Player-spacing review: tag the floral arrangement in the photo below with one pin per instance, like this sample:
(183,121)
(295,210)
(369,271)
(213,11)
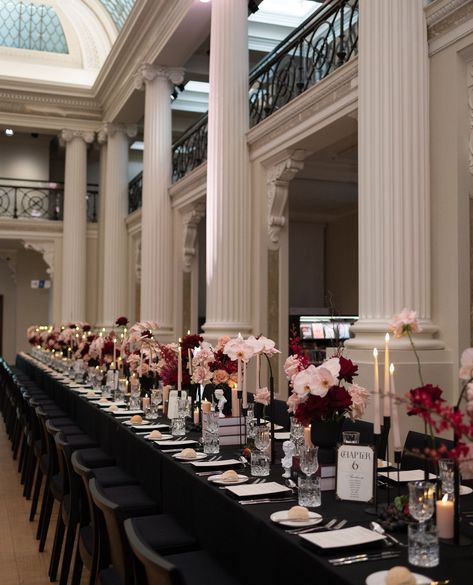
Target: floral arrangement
(167,366)
(427,402)
(325,392)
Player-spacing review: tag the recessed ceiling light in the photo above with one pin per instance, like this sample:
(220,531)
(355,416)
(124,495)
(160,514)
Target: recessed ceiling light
(204,1)
(9,132)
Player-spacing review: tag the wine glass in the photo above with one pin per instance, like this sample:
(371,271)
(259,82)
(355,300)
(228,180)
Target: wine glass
(309,462)
(262,437)
(421,501)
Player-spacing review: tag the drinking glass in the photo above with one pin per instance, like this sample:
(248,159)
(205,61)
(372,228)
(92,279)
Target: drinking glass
(297,434)
(178,423)
(351,437)
(421,501)
(210,433)
(423,545)
(309,462)
(262,437)
(259,458)
(309,492)
(447,475)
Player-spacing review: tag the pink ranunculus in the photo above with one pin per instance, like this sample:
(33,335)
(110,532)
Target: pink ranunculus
(222,342)
(291,367)
(220,377)
(466,361)
(359,400)
(201,375)
(133,360)
(293,402)
(262,396)
(238,349)
(404,322)
(306,381)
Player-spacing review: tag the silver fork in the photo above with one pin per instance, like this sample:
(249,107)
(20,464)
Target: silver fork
(325,526)
(337,526)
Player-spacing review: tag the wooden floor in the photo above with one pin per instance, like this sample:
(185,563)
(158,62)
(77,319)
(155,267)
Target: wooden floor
(20,561)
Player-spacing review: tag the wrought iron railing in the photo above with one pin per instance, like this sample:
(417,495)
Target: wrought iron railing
(40,200)
(320,45)
(135,191)
(325,41)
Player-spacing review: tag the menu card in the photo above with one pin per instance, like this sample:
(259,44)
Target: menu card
(211,464)
(259,489)
(345,537)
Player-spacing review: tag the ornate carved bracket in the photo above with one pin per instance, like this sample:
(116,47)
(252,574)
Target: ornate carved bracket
(10,258)
(138,261)
(191,222)
(46,249)
(278,179)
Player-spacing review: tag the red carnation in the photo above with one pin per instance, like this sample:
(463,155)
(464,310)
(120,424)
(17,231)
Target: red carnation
(121,321)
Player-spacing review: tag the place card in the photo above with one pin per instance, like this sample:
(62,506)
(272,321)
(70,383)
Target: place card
(406,475)
(345,537)
(216,464)
(355,474)
(259,489)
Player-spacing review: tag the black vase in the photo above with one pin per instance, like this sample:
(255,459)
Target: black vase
(326,435)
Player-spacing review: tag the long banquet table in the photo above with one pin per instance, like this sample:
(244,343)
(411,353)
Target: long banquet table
(243,538)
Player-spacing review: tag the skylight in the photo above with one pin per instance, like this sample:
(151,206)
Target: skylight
(118,10)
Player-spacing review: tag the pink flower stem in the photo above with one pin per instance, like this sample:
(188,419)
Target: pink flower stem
(462,393)
(419,369)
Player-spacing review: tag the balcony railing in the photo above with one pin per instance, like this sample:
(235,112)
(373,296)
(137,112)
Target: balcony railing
(325,41)
(40,200)
(135,190)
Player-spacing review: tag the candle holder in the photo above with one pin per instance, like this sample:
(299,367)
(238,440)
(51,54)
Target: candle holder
(397,461)
(373,510)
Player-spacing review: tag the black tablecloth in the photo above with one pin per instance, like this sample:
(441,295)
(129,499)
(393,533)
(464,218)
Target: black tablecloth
(243,538)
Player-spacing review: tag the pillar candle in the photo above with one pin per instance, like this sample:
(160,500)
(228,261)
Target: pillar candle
(165,394)
(189,360)
(245,390)
(387,410)
(377,416)
(445,515)
(114,353)
(206,406)
(196,416)
(146,402)
(395,413)
(307,437)
(235,403)
(179,366)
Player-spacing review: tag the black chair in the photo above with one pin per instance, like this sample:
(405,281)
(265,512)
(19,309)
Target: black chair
(413,450)
(189,568)
(116,505)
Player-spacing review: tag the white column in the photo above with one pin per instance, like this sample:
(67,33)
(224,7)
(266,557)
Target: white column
(102,140)
(156,223)
(228,195)
(115,244)
(393,142)
(75,225)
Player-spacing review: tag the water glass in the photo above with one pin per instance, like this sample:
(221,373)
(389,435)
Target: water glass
(210,433)
(309,462)
(423,545)
(447,475)
(421,500)
(309,492)
(178,424)
(351,437)
(297,434)
(135,397)
(262,437)
(259,463)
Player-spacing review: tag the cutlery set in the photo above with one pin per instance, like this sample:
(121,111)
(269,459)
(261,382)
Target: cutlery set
(364,557)
(331,525)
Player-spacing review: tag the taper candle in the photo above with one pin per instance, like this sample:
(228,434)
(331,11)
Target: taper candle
(377,414)
(386,399)
(394,412)
(245,390)
(307,436)
(257,371)
(179,366)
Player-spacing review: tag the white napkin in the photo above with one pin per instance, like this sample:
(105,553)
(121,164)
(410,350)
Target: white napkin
(282,436)
(123,412)
(259,489)
(343,537)
(224,463)
(175,443)
(409,475)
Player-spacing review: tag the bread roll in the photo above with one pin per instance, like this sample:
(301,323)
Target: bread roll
(400,576)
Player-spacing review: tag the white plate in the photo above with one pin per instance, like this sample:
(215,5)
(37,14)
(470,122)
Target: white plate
(218,479)
(281,518)
(181,458)
(465,490)
(379,578)
(136,425)
(161,438)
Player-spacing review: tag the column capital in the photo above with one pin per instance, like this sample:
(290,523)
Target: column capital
(148,72)
(109,129)
(68,135)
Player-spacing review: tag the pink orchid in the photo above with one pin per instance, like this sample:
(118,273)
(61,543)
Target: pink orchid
(293,402)
(466,361)
(404,322)
(238,349)
(292,367)
(262,396)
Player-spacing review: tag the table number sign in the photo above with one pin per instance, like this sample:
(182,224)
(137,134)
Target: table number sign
(356,473)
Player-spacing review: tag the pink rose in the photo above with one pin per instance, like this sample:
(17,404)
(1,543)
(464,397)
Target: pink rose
(359,400)
(201,375)
(220,377)
(466,370)
(262,396)
(404,322)
(222,342)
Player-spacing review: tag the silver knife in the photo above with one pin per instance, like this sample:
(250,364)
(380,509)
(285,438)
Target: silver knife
(366,557)
(265,501)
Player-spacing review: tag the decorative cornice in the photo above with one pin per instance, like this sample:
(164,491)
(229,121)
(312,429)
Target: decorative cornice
(68,135)
(148,72)
(109,129)
(191,222)
(438,11)
(447,22)
(278,179)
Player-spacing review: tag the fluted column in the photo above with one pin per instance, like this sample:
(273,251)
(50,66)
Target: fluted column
(228,197)
(75,225)
(156,223)
(115,248)
(393,142)
(102,140)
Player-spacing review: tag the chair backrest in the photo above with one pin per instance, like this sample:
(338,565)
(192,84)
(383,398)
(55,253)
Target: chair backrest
(412,453)
(158,569)
(110,528)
